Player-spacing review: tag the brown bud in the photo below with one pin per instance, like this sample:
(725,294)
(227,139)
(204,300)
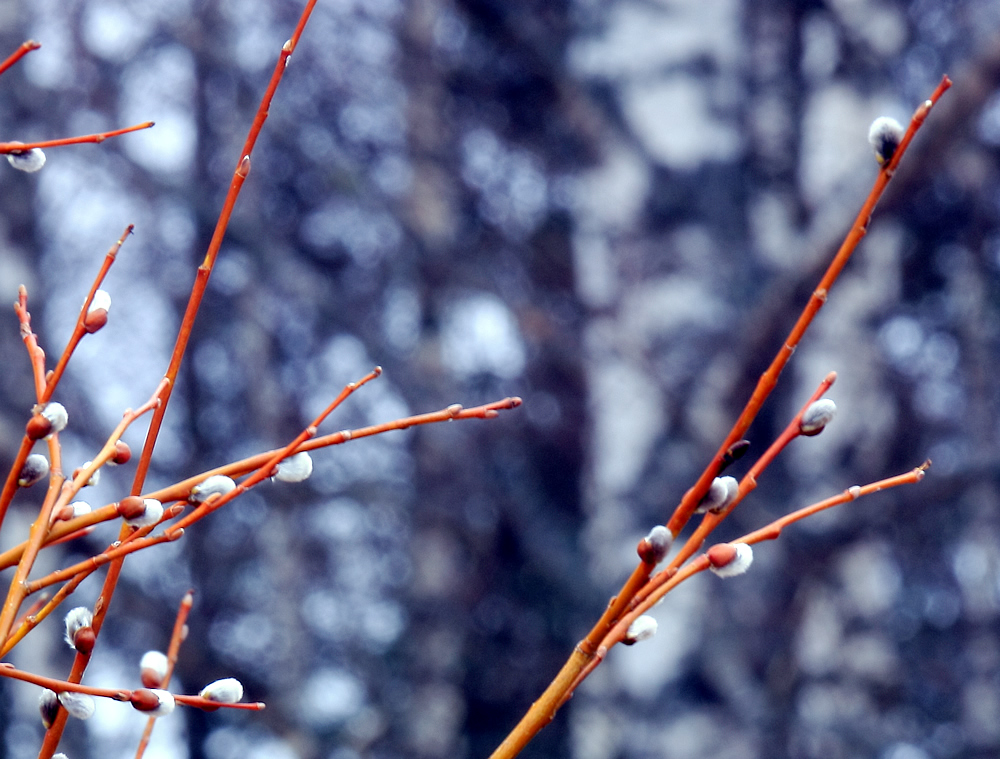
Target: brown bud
(131,507)
(730,559)
(38,427)
(84,639)
(721,554)
(95,319)
(144,700)
(122,453)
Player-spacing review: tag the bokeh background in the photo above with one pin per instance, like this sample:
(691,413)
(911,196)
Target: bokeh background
(612,209)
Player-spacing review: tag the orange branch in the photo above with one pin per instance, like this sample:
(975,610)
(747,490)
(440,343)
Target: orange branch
(80,330)
(18,147)
(23,50)
(584,655)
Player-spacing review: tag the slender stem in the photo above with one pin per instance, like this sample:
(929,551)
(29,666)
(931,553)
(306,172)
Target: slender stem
(115,694)
(54,733)
(18,147)
(80,330)
(173,650)
(23,50)
(542,711)
(770,377)
(267,468)
(37,357)
(64,530)
(749,481)
(18,584)
(33,619)
(62,686)
(769,532)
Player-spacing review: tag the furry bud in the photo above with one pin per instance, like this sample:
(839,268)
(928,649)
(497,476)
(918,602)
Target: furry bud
(153,668)
(140,512)
(816,416)
(885,134)
(79,705)
(295,468)
(48,707)
(654,547)
(643,628)
(36,467)
(217,484)
(720,494)
(79,630)
(27,160)
(229,690)
(730,559)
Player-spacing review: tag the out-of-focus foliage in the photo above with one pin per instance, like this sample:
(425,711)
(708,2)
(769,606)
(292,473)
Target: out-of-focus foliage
(614,210)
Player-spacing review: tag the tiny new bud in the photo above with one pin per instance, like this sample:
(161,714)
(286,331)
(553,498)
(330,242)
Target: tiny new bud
(153,668)
(816,416)
(36,467)
(48,707)
(643,628)
(27,160)
(734,453)
(730,559)
(122,454)
(79,705)
(295,468)
(720,494)
(216,484)
(150,512)
(229,690)
(79,620)
(884,135)
(154,702)
(653,548)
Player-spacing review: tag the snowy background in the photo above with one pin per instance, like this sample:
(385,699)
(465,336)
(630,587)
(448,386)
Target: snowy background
(612,209)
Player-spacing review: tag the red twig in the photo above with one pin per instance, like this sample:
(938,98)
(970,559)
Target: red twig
(267,468)
(57,495)
(80,329)
(54,734)
(18,147)
(115,694)
(173,650)
(65,530)
(23,50)
(544,709)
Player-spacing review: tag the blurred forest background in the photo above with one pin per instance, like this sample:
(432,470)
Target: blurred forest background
(612,209)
